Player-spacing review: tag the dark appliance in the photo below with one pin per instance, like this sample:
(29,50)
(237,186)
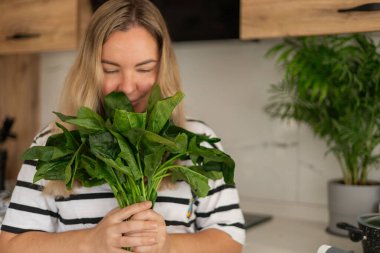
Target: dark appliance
(197,20)
(368,232)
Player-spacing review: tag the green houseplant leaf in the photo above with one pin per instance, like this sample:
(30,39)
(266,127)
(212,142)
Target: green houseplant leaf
(332,84)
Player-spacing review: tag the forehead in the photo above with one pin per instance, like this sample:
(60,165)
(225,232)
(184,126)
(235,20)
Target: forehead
(135,44)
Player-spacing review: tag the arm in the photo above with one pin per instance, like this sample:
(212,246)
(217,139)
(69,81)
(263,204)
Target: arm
(207,241)
(81,241)
(30,242)
(110,236)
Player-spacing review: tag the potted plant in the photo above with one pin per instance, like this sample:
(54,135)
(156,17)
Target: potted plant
(332,84)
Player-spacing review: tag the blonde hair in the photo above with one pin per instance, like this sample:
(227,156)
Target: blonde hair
(83,83)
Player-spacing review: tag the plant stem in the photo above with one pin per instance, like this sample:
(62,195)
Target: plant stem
(170,161)
(363,176)
(141,171)
(343,167)
(119,187)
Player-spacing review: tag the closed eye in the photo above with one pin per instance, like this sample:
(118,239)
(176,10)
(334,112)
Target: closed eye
(113,71)
(110,67)
(144,70)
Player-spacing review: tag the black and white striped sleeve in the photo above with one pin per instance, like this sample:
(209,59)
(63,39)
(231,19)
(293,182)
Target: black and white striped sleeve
(220,208)
(30,209)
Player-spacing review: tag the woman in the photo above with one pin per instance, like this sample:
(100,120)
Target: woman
(126,48)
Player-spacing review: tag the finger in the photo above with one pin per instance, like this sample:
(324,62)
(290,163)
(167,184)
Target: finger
(148,214)
(127,212)
(121,250)
(145,233)
(126,241)
(142,249)
(116,209)
(135,226)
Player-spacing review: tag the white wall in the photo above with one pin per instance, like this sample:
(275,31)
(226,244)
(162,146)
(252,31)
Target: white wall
(280,167)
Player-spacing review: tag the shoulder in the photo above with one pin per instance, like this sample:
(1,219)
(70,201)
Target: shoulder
(28,168)
(42,136)
(199,127)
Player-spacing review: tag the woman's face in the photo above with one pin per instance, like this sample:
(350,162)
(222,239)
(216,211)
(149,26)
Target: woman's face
(130,64)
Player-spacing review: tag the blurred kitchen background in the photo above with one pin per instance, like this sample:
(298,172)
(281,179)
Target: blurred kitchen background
(281,168)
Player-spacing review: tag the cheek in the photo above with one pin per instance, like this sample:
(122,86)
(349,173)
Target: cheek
(146,83)
(108,85)
(146,86)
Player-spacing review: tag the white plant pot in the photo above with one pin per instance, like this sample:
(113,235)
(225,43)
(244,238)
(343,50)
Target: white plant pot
(347,202)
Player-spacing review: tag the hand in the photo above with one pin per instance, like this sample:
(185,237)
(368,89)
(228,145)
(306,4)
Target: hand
(114,232)
(160,234)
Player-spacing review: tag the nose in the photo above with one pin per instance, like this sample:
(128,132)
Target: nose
(127,83)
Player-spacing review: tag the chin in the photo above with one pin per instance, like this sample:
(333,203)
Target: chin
(139,109)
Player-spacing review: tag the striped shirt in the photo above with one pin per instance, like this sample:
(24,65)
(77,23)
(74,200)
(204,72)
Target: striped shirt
(31,210)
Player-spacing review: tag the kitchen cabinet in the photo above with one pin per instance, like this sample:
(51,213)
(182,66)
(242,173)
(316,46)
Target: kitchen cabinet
(28,28)
(278,18)
(19,98)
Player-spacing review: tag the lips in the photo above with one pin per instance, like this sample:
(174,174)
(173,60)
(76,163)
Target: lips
(138,103)
(134,102)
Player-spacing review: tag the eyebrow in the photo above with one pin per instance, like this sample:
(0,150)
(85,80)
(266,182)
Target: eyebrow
(137,65)
(145,62)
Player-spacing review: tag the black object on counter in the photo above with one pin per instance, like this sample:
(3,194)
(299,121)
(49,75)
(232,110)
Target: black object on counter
(5,133)
(3,159)
(255,219)
(368,232)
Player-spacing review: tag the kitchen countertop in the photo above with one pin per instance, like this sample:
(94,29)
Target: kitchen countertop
(286,235)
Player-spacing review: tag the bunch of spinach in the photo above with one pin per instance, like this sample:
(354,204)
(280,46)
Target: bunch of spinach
(130,151)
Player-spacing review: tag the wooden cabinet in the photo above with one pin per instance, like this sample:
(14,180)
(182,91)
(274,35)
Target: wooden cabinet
(19,99)
(28,27)
(41,25)
(279,18)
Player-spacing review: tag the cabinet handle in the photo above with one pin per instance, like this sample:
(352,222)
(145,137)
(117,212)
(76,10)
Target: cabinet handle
(363,7)
(23,36)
